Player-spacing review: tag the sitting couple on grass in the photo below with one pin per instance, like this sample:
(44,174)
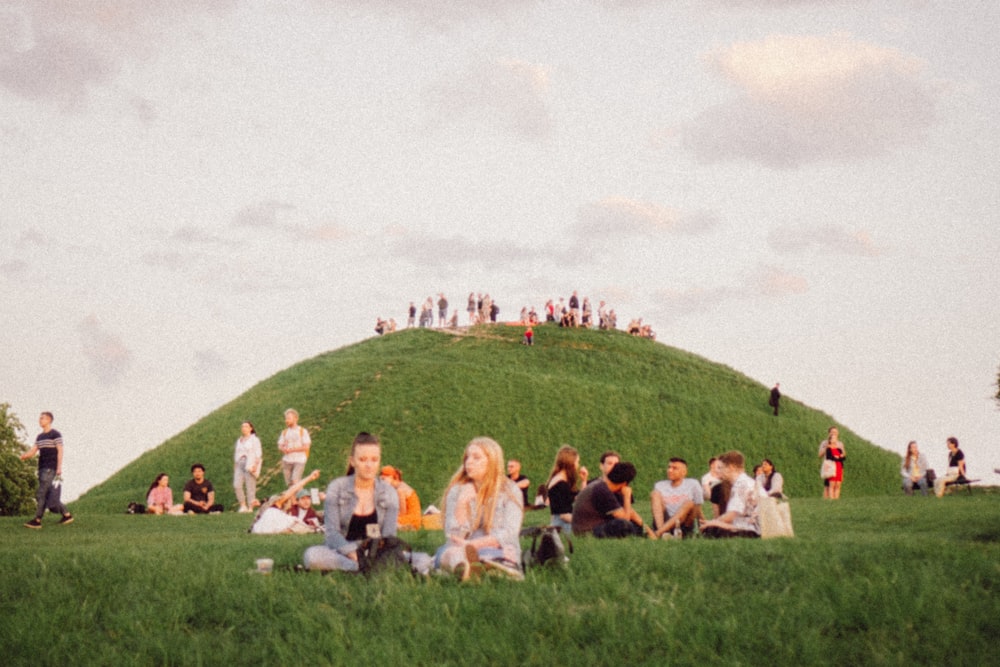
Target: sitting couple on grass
(483,512)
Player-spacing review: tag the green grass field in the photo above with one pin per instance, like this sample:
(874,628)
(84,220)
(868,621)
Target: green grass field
(881,581)
(875,578)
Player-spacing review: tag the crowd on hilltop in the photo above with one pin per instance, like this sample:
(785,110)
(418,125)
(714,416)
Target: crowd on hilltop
(483,309)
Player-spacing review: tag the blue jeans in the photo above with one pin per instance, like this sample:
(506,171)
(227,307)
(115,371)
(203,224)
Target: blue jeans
(567,527)
(48,496)
(908,485)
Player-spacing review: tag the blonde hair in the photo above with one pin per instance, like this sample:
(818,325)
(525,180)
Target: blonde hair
(494,482)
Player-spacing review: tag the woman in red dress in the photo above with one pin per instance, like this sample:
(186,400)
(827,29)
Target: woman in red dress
(833,449)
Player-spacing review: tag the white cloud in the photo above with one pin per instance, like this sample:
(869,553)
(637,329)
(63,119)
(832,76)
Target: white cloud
(507,94)
(769,282)
(772,281)
(826,239)
(620,216)
(803,99)
(57,50)
(209,364)
(445,15)
(109,357)
(430,250)
(13,268)
(262,215)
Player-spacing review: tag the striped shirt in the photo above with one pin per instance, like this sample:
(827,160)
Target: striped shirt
(48,449)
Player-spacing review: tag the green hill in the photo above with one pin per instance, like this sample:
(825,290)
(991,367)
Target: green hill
(427,393)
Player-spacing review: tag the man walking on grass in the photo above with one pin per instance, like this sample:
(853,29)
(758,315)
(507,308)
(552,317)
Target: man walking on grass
(49,447)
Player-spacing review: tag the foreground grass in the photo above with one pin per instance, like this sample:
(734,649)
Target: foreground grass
(866,581)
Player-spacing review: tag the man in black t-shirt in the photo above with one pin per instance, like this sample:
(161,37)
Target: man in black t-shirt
(49,447)
(598,512)
(199,494)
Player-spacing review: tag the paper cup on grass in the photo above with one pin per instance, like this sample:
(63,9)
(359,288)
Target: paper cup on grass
(264,565)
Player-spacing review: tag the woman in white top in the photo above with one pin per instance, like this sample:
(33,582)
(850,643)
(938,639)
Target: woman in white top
(247,460)
(769,481)
(483,510)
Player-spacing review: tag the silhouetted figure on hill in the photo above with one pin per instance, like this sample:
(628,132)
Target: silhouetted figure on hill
(775,398)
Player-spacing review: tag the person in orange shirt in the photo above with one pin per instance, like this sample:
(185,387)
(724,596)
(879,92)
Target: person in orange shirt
(409,502)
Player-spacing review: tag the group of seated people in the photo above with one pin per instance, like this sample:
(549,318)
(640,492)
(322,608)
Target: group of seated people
(637,328)
(199,495)
(916,473)
(484,505)
(604,507)
(483,511)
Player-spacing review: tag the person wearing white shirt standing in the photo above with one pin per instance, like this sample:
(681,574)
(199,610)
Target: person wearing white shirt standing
(247,460)
(294,443)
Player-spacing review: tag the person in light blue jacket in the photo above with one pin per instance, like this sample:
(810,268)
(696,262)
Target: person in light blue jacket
(357,506)
(483,511)
(914,469)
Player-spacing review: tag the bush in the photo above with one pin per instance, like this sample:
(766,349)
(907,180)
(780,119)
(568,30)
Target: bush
(17,482)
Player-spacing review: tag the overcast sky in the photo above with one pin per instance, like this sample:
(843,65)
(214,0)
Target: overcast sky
(196,195)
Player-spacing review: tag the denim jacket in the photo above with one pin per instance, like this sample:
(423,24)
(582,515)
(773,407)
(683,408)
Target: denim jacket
(507,519)
(339,506)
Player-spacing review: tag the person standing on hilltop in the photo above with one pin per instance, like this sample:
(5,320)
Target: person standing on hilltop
(49,447)
(442,309)
(294,443)
(775,398)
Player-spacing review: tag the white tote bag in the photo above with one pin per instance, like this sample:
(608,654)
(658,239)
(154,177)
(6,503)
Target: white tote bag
(775,518)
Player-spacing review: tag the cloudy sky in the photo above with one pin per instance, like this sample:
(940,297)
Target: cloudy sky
(198,194)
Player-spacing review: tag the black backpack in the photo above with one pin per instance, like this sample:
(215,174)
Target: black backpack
(546,546)
(382,553)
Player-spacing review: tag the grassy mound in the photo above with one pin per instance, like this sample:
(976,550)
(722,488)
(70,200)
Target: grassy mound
(426,393)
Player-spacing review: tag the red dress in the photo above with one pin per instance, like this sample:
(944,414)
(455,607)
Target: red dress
(836,454)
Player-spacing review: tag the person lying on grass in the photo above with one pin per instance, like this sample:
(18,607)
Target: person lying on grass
(277,515)
(740,518)
(483,511)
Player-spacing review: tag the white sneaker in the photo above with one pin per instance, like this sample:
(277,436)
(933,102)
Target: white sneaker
(509,568)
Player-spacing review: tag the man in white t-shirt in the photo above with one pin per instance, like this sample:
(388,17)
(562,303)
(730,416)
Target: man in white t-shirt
(676,501)
(294,443)
(741,518)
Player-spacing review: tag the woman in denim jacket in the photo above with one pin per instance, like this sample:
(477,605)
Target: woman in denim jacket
(355,504)
(483,511)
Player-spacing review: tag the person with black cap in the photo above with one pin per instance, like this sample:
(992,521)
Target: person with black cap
(597,510)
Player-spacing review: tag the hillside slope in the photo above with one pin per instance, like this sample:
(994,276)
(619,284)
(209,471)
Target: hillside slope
(427,393)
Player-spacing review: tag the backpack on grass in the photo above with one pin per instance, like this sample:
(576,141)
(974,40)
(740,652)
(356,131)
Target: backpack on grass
(383,553)
(546,546)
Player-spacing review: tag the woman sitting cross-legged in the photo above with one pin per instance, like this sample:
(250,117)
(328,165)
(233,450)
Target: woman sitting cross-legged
(355,504)
(160,499)
(483,510)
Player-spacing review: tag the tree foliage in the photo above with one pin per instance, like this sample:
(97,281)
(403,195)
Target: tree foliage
(17,481)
